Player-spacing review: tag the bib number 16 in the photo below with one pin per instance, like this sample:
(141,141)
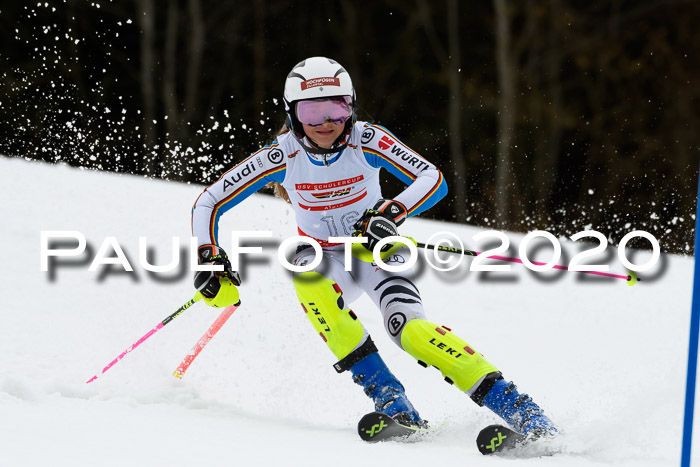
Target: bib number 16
(346,221)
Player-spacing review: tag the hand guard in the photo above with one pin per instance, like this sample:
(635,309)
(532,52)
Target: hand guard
(208,283)
(380,222)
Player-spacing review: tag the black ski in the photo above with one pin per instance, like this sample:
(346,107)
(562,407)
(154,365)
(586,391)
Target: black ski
(377,426)
(497,438)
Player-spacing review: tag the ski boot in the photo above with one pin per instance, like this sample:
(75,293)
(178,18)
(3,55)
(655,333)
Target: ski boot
(385,390)
(518,410)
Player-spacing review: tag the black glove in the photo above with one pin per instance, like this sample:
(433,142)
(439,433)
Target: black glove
(380,222)
(207,282)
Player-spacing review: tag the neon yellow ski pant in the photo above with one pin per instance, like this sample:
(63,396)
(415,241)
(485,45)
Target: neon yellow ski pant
(432,345)
(322,301)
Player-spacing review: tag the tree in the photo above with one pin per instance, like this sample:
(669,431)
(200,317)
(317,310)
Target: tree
(506,112)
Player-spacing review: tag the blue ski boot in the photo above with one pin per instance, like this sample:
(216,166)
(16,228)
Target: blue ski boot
(384,389)
(518,410)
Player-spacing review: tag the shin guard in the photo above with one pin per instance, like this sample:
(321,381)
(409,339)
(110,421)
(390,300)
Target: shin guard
(435,345)
(323,304)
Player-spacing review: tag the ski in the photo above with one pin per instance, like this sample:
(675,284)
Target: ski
(377,426)
(497,438)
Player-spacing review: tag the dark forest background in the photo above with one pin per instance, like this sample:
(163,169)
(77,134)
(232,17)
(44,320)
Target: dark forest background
(543,114)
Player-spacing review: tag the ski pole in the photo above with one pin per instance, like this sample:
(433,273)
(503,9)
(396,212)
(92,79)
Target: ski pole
(204,340)
(194,299)
(631,278)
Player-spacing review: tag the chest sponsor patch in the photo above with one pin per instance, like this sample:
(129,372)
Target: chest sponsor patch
(332,194)
(327,207)
(329,185)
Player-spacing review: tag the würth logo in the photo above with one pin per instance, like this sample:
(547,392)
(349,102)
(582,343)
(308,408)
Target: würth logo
(385,142)
(315,82)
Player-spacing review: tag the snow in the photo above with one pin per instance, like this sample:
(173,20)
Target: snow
(606,361)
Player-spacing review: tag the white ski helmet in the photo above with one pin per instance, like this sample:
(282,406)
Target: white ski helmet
(314,78)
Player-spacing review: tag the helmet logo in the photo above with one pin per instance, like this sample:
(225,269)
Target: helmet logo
(315,82)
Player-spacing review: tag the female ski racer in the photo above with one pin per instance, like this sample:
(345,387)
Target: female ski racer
(327,166)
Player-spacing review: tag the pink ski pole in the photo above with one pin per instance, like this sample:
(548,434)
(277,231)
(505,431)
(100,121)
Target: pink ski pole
(204,340)
(195,299)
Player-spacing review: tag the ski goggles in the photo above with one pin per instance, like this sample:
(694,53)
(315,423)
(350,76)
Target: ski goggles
(316,112)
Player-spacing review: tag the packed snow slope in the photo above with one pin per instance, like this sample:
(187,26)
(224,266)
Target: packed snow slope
(607,361)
